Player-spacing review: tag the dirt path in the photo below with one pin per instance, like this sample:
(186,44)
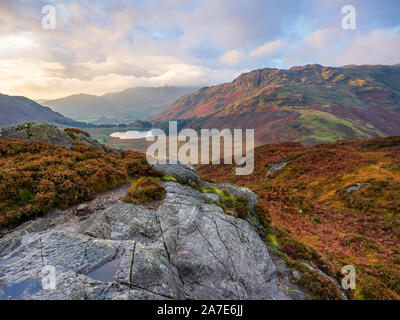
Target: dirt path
(101,201)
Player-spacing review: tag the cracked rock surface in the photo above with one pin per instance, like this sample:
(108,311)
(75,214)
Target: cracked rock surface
(185,249)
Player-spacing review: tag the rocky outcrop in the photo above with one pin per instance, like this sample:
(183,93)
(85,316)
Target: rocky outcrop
(37,131)
(47,132)
(184,249)
(84,139)
(180,171)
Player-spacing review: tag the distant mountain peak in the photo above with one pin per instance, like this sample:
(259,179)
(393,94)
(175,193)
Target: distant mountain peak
(124,106)
(311,103)
(16,109)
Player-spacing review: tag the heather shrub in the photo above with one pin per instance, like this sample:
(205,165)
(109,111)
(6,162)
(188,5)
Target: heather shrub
(145,189)
(308,213)
(140,167)
(73,132)
(319,287)
(35,176)
(235,206)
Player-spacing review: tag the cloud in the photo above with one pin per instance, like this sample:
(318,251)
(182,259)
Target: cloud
(102,46)
(268,49)
(378,47)
(323,39)
(232,57)
(338,47)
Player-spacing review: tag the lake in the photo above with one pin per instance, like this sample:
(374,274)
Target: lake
(132,135)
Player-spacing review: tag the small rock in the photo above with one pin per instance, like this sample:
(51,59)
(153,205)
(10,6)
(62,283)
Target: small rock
(296,274)
(355,187)
(275,167)
(82,207)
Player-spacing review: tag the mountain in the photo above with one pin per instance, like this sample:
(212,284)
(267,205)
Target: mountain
(19,109)
(309,104)
(125,106)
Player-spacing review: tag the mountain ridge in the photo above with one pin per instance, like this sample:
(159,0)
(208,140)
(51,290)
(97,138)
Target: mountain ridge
(15,109)
(310,103)
(123,106)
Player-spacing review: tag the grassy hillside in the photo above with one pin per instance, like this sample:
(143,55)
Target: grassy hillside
(332,204)
(309,104)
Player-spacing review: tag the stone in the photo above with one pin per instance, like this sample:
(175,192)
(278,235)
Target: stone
(237,192)
(49,133)
(276,167)
(82,207)
(184,249)
(180,171)
(296,274)
(211,197)
(38,131)
(355,187)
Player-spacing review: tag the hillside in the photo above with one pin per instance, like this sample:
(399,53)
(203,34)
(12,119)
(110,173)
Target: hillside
(309,104)
(19,109)
(319,207)
(111,241)
(125,106)
(332,205)
(43,167)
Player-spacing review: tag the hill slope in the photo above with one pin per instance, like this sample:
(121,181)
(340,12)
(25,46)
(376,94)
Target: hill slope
(20,109)
(309,104)
(125,106)
(332,205)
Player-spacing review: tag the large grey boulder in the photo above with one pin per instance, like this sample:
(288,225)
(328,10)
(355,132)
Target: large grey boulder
(181,171)
(185,249)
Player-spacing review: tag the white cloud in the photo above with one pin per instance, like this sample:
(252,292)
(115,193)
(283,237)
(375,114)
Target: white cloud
(338,47)
(269,49)
(232,57)
(378,47)
(324,39)
(99,47)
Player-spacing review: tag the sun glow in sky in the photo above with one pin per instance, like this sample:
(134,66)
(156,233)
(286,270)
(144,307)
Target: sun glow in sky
(103,46)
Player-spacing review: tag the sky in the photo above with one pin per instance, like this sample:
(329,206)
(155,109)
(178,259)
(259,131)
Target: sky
(107,46)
